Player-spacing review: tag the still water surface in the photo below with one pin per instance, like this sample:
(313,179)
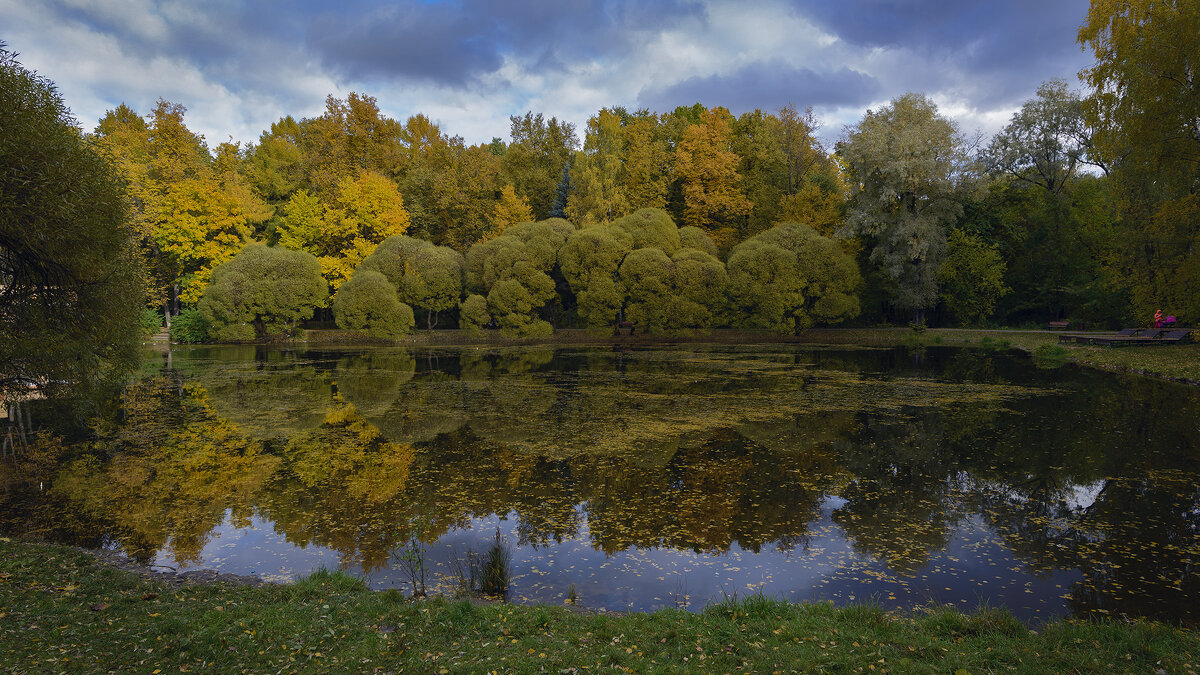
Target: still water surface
(649,478)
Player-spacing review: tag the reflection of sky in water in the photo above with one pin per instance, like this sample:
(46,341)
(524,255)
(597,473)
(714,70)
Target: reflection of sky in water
(975,568)
(860,458)
(257,550)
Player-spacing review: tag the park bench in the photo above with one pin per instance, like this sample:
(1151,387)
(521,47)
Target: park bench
(1058,325)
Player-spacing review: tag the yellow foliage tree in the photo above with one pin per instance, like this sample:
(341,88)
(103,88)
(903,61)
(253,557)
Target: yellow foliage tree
(707,171)
(197,226)
(511,209)
(367,210)
(599,194)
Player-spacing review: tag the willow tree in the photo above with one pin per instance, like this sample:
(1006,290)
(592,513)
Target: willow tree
(261,291)
(905,160)
(433,281)
(369,302)
(513,271)
(790,277)
(589,260)
(70,286)
(638,267)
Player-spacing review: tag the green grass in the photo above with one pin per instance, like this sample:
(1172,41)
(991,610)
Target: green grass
(58,612)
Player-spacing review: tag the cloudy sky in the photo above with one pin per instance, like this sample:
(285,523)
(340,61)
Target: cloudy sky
(239,65)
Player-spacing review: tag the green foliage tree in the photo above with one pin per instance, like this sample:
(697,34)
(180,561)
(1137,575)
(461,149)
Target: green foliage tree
(473,313)
(534,160)
(71,291)
(1145,106)
(790,277)
(694,237)
(651,228)
(1046,141)
(698,284)
(1056,244)
(514,272)
(368,302)
(433,281)
(589,260)
(971,278)
(262,291)
(646,276)
(905,159)
(391,257)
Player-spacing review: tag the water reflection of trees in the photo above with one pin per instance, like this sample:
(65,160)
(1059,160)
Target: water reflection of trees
(706,453)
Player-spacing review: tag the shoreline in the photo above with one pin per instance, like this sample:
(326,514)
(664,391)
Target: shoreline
(60,610)
(1172,363)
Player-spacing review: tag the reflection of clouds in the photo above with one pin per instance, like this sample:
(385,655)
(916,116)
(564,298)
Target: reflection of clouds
(1083,496)
(708,470)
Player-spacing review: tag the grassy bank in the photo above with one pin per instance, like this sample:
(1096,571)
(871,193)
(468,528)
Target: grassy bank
(60,612)
(1173,362)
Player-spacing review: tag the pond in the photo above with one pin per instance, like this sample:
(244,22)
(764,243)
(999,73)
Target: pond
(635,479)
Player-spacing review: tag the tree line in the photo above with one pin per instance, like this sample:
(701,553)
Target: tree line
(1083,207)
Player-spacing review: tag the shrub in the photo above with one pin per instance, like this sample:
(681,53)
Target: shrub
(473,313)
(369,302)
(261,291)
(189,326)
(152,321)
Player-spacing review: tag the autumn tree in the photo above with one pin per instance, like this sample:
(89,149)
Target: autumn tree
(350,137)
(70,285)
(599,195)
(905,159)
(534,160)
(510,210)
(789,278)
(646,161)
(464,192)
(815,190)
(1145,106)
(706,169)
(261,291)
(192,212)
(367,209)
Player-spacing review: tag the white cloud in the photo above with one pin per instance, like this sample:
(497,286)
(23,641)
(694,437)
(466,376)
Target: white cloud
(237,79)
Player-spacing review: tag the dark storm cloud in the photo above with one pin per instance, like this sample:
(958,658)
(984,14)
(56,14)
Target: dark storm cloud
(767,85)
(455,42)
(1006,45)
